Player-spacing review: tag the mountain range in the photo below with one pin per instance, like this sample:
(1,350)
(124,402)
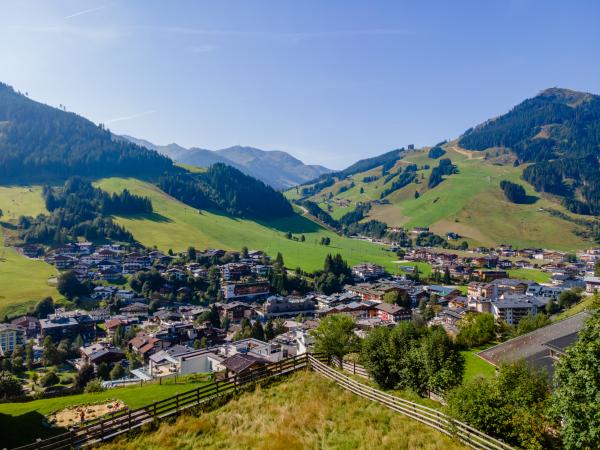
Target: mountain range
(276,168)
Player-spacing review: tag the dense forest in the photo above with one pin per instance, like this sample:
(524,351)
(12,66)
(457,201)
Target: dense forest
(513,191)
(80,210)
(41,143)
(225,188)
(559,132)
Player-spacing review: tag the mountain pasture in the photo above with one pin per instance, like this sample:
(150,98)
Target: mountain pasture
(175,225)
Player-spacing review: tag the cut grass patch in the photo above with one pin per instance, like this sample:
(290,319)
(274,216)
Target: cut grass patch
(530,274)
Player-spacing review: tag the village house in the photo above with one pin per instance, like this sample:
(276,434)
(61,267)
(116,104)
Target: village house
(367,272)
(512,311)
(10,336)
(388,312)
(277,306)
(249,290)
(592,284)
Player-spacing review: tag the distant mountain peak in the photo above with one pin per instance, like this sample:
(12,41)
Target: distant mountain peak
(567,96)
(274,167)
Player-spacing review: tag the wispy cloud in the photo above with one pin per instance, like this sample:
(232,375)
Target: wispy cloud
(132,116)
(85,11)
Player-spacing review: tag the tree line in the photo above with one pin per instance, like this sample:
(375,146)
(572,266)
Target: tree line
(225,188)
(77,209)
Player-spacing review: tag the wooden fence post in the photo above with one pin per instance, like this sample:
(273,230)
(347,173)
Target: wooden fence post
(217,386)
(102,429)
(154,415)
(176,401)
(129,413)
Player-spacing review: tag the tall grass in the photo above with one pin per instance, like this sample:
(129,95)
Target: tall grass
(304,411)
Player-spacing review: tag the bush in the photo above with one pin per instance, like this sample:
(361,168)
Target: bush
(10,386)
(94,385)
(49,379)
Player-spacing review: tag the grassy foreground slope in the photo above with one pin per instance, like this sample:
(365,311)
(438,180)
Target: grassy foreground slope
(176,225)
(22,422)
(23,281)
(304,411)
(469,203)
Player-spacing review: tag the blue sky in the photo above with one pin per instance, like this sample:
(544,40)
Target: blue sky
(328,81)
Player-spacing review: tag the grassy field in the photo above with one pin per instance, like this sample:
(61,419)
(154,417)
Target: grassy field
(304,411)
(585,303)
(530,274)
(177,226)
(23,281)
(469,203)
(475,366)
(22,422)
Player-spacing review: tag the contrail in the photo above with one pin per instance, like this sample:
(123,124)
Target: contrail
(81,13)
(132,116)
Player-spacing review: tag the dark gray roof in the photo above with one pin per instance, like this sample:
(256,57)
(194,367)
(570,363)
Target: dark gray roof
(533,347)
(241,361)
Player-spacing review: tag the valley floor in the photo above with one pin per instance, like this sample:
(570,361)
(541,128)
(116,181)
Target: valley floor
(303,411)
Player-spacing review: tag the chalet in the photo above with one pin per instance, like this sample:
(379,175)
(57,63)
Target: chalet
(175,273)
(592,284)
(339,298)
(246,290)
(240,364)
(442,293)
(366,272)
(388,312)
(68,325)
(512,311)
(30,324)
(277,306)
(358,310)
(145,345)
(490,275)
(376,291)
(236,311)
(110,274)
(234,271)
(97,354)
(511,285)
(136,309)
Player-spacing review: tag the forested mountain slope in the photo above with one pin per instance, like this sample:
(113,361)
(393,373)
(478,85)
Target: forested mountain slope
(558,131)
(40,143)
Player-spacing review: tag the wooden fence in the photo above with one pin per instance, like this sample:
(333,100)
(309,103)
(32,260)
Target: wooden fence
(108,427)
(428,416)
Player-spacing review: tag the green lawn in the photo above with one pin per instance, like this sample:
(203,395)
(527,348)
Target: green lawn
(475,366)
(23,281)
(530,274)
(177,226)
(584,304)
(23,422)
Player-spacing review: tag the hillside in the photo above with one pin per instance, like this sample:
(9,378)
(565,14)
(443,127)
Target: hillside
(276,168)
(558,131)
(42,143)
(23,281)
(469,202)
(176,225)
(302,411)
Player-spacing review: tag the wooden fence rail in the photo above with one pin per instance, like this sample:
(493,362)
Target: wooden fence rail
(428,416)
